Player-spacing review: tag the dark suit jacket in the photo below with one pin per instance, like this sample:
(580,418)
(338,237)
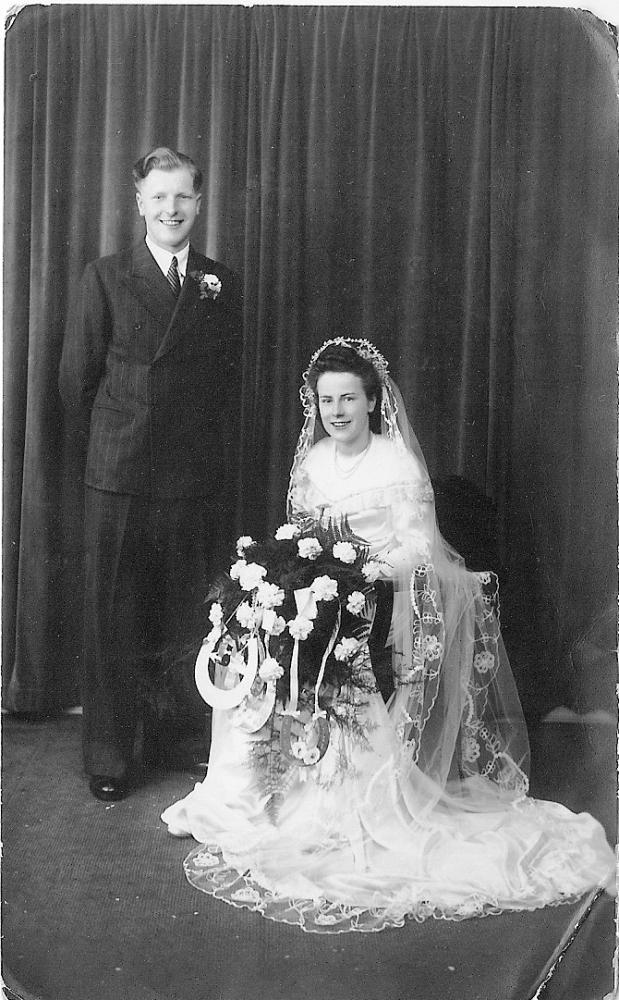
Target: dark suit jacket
(152,380)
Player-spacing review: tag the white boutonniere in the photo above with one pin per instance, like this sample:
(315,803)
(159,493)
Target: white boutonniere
(209,284)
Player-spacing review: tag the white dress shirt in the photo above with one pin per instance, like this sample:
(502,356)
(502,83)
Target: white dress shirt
(164,258)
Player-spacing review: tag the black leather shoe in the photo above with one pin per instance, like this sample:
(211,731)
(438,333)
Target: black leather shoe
(108,789)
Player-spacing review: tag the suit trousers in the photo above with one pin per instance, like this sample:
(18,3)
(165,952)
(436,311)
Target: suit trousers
(144,619)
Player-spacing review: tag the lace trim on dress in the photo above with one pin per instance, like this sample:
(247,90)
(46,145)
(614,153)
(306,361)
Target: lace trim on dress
(207,869)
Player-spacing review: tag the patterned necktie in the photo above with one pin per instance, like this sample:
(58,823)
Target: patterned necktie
(173,277)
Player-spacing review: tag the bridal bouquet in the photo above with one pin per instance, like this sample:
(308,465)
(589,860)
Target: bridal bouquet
(291,616)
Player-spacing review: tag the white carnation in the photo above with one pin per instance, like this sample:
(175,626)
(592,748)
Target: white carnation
(346,649)
(270,669)
(245,616)
(356,602)
(300,627)
(269,595)
(243,543)
(235,569)
(216,614)
(212,285)
(251,575)
(345,552)
(371,571)
(309,548)
(286,531)
(324,588)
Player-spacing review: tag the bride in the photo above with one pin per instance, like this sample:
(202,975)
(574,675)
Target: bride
(327,804)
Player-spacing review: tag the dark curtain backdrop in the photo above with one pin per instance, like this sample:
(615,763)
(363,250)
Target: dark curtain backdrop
(442,181)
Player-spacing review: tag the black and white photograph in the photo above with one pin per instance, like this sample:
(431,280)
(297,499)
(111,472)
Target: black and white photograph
(309,629)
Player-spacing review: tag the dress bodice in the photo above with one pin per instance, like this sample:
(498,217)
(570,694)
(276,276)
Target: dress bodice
(386,498)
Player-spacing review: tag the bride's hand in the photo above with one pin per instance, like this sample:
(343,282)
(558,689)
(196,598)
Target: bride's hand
(403,558)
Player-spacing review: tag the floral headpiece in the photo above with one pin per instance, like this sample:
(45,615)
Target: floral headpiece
(364,348)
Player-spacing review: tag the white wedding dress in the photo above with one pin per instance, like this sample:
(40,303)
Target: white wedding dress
(418,809)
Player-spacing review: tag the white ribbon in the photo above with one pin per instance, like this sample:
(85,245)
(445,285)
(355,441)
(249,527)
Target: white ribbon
(306,603)
(321,673)
(307,608)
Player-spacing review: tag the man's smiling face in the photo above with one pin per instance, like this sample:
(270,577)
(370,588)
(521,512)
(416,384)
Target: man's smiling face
(168,203)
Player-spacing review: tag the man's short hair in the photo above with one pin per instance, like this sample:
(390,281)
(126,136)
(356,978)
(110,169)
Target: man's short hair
(163,158)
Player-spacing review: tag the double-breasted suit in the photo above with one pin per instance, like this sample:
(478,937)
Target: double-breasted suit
(153,382)
(151,378)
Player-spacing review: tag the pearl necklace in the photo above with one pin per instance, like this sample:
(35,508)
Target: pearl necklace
(348,471)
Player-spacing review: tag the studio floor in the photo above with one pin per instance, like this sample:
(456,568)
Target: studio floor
(96,906)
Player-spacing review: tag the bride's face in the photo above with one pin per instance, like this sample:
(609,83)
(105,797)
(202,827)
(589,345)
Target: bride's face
(345,409)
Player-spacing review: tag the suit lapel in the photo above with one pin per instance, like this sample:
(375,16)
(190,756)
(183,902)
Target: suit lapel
(186,306)
(151,286)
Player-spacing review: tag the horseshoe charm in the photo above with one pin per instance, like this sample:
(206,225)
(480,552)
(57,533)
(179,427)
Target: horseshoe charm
(313,745)
(224,698)
(251,715)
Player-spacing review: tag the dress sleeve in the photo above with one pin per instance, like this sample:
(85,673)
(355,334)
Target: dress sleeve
(300,500)
(412,520)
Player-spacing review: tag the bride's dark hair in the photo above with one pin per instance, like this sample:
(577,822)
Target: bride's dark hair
(340,358)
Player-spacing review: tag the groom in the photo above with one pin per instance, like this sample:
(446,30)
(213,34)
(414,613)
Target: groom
(150,373)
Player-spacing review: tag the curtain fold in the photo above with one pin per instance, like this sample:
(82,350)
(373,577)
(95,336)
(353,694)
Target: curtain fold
(442,181)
